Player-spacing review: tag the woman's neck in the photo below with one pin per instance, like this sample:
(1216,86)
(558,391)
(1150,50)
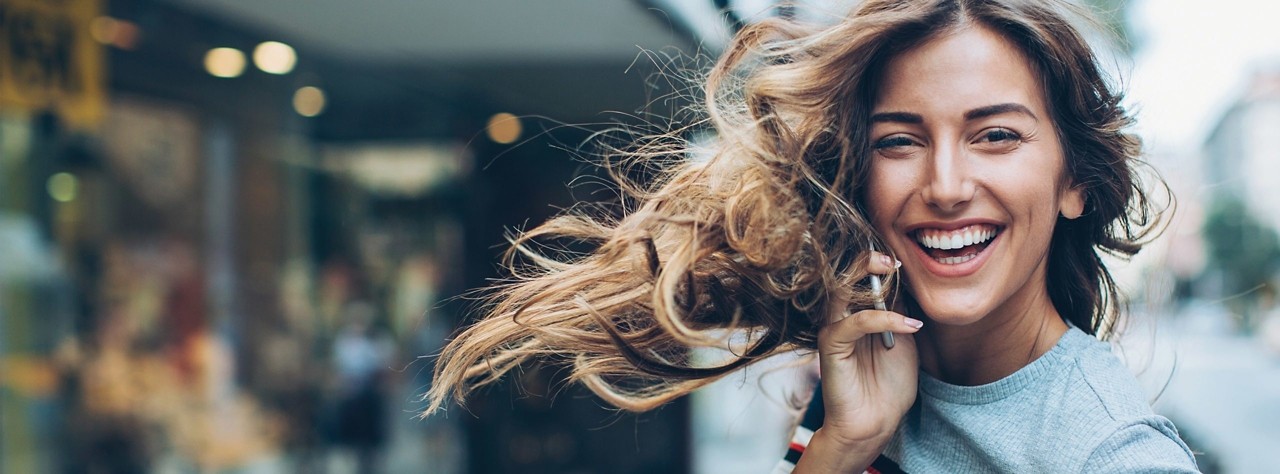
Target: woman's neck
(994,347)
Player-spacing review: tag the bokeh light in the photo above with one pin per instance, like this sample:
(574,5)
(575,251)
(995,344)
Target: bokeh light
(63,187)
(224,62)
(504,128)
(308,101)
(274,57)
(114,32)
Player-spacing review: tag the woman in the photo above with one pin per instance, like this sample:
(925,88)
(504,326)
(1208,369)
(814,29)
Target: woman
(977,142)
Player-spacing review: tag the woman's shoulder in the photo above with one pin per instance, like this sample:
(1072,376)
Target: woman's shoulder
(1146,445)
(1100,383)
(1105,404)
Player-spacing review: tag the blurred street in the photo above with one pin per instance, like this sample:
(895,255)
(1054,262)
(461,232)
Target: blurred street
(1224,393)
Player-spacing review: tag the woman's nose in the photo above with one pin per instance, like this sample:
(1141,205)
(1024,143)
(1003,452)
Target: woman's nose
(949,185)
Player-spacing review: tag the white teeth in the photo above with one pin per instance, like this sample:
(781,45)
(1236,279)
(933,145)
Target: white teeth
(957,260)
(950,240)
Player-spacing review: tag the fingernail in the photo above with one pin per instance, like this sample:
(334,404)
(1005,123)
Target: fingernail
(915,323)
(887,260)
(897,264)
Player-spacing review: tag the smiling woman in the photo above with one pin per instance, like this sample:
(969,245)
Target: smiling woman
(964,142)
(977,141)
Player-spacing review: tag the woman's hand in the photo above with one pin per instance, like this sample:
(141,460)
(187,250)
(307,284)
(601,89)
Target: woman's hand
(866,389)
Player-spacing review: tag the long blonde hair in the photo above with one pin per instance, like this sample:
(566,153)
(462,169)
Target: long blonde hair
(765,238)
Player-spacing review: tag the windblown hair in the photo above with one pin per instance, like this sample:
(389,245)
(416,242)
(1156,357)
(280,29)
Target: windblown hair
(766,238)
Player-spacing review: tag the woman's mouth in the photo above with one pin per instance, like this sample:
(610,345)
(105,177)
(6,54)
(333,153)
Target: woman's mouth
(956,246)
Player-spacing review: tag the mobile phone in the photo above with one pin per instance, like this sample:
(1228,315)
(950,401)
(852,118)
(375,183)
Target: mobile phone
(878,289)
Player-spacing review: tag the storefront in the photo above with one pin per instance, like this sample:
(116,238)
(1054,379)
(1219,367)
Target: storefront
(162,302)
(210,261)
(51,79)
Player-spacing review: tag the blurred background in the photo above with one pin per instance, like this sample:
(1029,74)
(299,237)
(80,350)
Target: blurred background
(230,229)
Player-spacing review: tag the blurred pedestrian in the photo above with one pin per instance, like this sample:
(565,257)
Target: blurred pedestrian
(362,357)
(976,142)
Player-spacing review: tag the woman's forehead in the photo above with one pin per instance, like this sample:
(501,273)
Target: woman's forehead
(956,72)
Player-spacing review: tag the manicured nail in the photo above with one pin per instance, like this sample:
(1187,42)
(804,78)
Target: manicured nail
(915,323)
(890,261)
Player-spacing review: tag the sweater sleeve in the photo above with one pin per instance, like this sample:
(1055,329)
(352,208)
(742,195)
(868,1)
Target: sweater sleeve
(1146,446)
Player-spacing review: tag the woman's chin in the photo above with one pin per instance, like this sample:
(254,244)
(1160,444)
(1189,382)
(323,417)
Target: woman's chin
(944,310)
(953,319)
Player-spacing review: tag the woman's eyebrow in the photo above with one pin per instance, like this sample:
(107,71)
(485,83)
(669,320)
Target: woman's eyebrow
(980,112)
(998,109)
(901,117)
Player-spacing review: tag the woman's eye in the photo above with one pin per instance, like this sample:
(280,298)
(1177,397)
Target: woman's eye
(893,142)
(1000,135)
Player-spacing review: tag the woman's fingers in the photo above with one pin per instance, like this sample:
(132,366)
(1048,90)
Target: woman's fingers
(881,264)
(850,327)
(853,327)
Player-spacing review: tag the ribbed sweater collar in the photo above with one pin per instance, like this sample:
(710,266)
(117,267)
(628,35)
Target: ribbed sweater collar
(1058,357)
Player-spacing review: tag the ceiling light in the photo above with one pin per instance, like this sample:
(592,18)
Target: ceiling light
(224,62)
(274,57)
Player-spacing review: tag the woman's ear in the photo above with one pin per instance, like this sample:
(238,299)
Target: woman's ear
(1071,203)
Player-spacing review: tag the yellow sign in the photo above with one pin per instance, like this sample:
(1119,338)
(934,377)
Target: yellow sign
(48,60)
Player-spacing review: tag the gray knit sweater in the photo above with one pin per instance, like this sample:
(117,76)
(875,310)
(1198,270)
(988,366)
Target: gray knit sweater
(1075,409)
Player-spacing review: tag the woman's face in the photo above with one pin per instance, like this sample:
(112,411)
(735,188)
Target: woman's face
(966,176)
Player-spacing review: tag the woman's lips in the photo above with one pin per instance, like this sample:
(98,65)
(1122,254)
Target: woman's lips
(958,252)
(954,239)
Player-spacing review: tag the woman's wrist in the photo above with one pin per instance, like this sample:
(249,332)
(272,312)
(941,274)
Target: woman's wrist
(826,453)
